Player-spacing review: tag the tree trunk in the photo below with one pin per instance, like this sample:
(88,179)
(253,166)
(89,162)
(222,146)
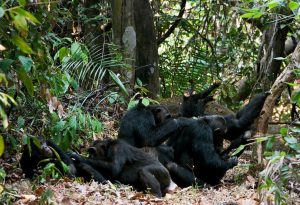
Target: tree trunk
(273,41)
(287,75)
(133,30)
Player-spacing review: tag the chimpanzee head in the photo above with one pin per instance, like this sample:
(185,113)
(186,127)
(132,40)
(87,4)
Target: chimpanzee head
(99,149)
(217,124)
(160,113)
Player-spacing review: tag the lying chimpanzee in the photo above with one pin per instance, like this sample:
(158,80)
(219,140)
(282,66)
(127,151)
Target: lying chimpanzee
(194,148)
(148,125)
(194,104)
(129,165)
(183,176)
(38,152)
(237,124)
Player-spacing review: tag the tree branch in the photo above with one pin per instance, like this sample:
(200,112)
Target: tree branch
(175,24)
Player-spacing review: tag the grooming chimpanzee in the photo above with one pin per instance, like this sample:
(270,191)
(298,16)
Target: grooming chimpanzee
(183,176)
(148,125)
(194,104)
(194,148)
(37,153)
(129,165)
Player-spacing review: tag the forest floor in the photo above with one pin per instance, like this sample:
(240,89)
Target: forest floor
(238,187)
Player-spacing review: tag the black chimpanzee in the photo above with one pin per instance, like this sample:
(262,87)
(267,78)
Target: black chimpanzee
(194,148)
(183,176)
(38,152)
(237,124)
(148,125)
(129,165)
(194,104)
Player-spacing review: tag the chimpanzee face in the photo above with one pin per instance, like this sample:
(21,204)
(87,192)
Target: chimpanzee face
(99,149)
(217,124)
(161,114)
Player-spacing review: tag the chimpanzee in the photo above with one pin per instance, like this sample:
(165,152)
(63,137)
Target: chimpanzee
(38,152)
(237,124)
(194,148)
(194,104)
(148,125)
(128,164)
(183,176)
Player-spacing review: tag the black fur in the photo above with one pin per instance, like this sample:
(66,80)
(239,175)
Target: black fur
(148,125)
(129,165)
(38,150)
(194,148)
(194,104)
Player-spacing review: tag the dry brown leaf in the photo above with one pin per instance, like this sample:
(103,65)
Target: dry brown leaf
(60,111)
(247,202)
(137,195)
(26,198)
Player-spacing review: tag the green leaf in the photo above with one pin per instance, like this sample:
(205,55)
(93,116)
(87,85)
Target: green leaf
(247,15)
(73,122)
(4,118)
(5,65)
(238,150)
(283,131)
(20,23)
(26,14)
(290,140)
(270,143)
(258,15)
(118,81)
(293,5)
(26,62)
(21,122)
(22,75)
(2,145)
(18,41)
(146,101)
(1,12)
(22,2)
(63,52)
(132,104)
(75,48)
(273,4)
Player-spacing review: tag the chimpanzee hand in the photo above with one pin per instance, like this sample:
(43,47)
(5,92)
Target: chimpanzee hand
(232,161)
(76,157)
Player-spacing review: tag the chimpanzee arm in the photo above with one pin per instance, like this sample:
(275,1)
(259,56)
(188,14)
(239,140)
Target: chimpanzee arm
(90,171)
(161,133)
(64,157)
(206,92)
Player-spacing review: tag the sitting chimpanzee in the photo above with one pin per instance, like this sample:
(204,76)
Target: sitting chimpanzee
(183,176)
(148,125)
(129,165)
(194,104)
(194,148)
(38,152)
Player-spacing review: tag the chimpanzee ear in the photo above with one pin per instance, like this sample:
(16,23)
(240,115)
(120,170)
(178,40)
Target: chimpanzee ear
(157,110)
(92,150)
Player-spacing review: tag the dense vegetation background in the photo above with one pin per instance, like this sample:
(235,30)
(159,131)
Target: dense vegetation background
(66,67)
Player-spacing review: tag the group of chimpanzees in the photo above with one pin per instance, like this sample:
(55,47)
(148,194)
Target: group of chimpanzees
(153,149)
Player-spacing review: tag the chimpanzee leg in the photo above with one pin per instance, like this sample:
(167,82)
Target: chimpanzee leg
(182,176)
(148,180)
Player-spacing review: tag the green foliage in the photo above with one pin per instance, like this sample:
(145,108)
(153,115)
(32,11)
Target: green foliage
(283,166)
(74,129)
(2,175)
